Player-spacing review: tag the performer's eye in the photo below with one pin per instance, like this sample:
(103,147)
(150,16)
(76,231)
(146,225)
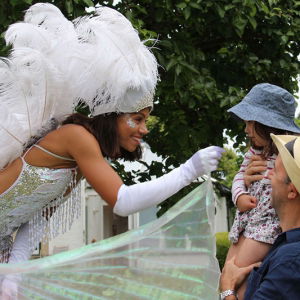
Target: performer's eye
(138,119)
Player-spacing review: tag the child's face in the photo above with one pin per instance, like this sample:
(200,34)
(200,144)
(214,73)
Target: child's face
(256,139)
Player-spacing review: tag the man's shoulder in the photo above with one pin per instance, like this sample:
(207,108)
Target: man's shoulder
(279,274)
(289,252)
(291,249)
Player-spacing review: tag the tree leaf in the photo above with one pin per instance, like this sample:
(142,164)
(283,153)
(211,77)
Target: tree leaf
(89,3)
(190,67)
(253,22)
(240,23)
(195,5)
(171,64)
(181,5)
(178,69)
(187,12)
(221,11)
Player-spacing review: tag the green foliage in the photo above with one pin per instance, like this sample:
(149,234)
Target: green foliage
(126,176)
(223,245)
(229,166)
(210,54)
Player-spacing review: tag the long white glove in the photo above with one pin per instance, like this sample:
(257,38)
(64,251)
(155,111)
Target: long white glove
(143,195)
(20,252)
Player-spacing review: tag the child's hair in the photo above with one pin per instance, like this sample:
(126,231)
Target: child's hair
(264,132)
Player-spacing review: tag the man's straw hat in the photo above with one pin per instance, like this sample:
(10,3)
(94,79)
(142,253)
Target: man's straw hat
(289,150)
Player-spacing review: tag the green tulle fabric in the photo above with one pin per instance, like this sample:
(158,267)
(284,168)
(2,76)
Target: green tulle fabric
(170,258)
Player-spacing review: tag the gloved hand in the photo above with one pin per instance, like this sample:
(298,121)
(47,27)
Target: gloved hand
(202,162)
(143,195)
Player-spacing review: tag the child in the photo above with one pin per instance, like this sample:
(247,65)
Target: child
(265,109)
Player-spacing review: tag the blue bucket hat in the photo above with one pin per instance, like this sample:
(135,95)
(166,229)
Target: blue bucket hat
(269,105)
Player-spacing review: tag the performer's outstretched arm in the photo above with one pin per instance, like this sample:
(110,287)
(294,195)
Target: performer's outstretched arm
(143,195)
(129,199)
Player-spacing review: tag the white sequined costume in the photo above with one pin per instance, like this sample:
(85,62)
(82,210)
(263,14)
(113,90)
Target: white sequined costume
(29,199)
(97,60)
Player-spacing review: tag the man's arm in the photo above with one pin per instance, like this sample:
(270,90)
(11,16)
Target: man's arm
(232,277)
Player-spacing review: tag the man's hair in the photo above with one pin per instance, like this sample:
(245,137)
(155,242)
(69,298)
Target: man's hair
(287,179)
(104,129)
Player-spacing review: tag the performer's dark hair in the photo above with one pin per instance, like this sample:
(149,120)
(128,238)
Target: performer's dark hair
(264,132)
(104,128)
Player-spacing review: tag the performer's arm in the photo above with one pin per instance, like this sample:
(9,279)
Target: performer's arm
(143,195)
(129,199)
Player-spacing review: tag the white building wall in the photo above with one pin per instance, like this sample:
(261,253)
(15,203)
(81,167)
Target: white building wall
(99,217)
(221,223)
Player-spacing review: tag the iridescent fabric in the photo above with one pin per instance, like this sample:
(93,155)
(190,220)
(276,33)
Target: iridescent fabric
(170,258)
(30,198)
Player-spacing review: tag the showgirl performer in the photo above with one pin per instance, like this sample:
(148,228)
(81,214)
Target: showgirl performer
(54,65)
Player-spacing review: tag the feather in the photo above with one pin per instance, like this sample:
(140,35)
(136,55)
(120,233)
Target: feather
(56,64)
(29,95)
(123,68)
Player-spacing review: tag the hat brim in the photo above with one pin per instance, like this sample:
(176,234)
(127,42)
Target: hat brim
(248,112)
(291,164)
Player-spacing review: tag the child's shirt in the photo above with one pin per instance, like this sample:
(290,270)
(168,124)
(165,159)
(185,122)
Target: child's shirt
(260,223)
(238,184)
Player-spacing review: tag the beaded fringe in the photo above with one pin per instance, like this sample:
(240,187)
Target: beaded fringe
(5,246)
(57,217)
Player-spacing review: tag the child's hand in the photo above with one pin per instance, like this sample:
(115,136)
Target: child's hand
(246,202)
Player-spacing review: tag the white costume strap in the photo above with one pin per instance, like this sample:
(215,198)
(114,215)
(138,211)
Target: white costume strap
(53,154)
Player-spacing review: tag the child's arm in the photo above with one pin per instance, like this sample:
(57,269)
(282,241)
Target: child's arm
(238,184)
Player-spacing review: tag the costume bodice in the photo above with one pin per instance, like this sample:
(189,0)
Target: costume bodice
(29,199)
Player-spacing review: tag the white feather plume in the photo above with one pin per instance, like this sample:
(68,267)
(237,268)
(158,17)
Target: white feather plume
(56,63)
(29,96)
(124,70)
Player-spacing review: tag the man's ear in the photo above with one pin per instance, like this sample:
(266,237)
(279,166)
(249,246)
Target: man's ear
(292,192)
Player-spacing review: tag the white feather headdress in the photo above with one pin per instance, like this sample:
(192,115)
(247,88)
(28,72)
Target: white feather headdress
(56,63)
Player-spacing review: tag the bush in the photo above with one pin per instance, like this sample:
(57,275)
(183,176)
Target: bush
(223,245)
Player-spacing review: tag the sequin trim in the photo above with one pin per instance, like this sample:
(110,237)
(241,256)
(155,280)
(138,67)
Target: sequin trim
(57,217)
(30,199)
(145,102)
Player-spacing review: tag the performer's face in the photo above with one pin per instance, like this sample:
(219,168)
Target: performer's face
(256,139)
(131,129)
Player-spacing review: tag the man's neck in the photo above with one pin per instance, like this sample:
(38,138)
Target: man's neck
(290,218)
